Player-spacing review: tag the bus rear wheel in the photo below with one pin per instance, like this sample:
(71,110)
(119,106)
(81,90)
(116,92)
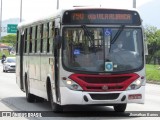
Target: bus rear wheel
(54,106)
(29,97)
(120,107)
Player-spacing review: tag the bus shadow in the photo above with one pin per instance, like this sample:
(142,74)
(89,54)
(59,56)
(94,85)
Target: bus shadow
(21,105)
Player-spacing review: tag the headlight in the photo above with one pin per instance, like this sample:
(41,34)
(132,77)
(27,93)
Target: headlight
(72,85)
(135,85)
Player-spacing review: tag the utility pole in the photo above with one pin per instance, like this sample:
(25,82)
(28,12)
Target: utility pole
(134,3)
(57,4)
(1,20)
(20,20)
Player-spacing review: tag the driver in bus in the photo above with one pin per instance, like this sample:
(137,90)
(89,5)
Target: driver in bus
(118,46)
(122,56)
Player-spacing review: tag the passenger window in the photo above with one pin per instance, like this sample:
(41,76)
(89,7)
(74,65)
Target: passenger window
(33,38)
(39,35)
(25,41)
(30,40)
(41,38)
(36,31)
(51,36)
(48,43)
(45,36)
(17,42)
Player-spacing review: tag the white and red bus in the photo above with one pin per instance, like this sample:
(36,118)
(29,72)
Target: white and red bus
(83,56)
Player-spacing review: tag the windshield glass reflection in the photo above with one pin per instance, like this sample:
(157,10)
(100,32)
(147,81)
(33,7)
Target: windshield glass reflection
(92,50)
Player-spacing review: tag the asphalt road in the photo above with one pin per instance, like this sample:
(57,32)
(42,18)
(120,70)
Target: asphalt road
(13,99)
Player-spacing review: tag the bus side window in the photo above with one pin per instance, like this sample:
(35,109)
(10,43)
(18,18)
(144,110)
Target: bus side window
(48,43)
(33,38)
(51,36)
(30,40)
(17,42)
(41,38)
(45,37)
(36,38)
(25,41)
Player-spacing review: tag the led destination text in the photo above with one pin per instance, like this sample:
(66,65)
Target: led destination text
(81,16)
(101,17)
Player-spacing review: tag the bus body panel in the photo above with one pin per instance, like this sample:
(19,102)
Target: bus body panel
(34,74)
(25,69)
(70,97)
(39,71)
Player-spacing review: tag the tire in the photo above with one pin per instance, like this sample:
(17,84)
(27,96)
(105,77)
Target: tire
(54,106)
(120,107)
(4,70)
(30,97)
(39,99)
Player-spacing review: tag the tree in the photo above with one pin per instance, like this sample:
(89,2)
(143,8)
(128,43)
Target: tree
(9,39)
(153,39)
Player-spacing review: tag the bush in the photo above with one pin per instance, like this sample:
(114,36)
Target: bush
(6,52)
(153,72)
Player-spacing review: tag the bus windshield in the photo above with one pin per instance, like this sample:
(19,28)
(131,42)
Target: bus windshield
(90,49)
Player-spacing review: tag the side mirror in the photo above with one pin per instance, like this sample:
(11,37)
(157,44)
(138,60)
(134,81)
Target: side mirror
(58,42)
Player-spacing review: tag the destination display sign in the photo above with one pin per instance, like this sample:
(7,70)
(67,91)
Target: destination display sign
(101,16)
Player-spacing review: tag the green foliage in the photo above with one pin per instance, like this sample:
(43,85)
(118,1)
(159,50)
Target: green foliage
(10,39)
(153,72)
(150,32)
(157,54)
(153,40)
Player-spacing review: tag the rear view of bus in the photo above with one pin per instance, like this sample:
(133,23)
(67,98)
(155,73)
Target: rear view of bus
(102,61)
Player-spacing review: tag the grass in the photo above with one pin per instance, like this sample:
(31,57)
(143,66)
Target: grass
(6,53)
(153,72)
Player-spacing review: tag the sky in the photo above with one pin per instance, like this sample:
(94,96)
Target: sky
(32,9)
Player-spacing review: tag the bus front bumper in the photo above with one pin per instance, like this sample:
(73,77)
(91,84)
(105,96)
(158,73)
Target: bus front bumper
(70,97)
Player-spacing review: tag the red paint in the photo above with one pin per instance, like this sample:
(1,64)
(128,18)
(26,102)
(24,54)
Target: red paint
(96,83)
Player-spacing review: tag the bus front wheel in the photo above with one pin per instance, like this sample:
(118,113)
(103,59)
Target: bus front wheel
(54,106)
(120,107)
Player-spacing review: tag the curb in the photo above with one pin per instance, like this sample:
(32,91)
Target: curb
(153,82)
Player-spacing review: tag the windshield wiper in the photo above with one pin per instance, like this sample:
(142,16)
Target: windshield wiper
(117,34)
(89,35)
